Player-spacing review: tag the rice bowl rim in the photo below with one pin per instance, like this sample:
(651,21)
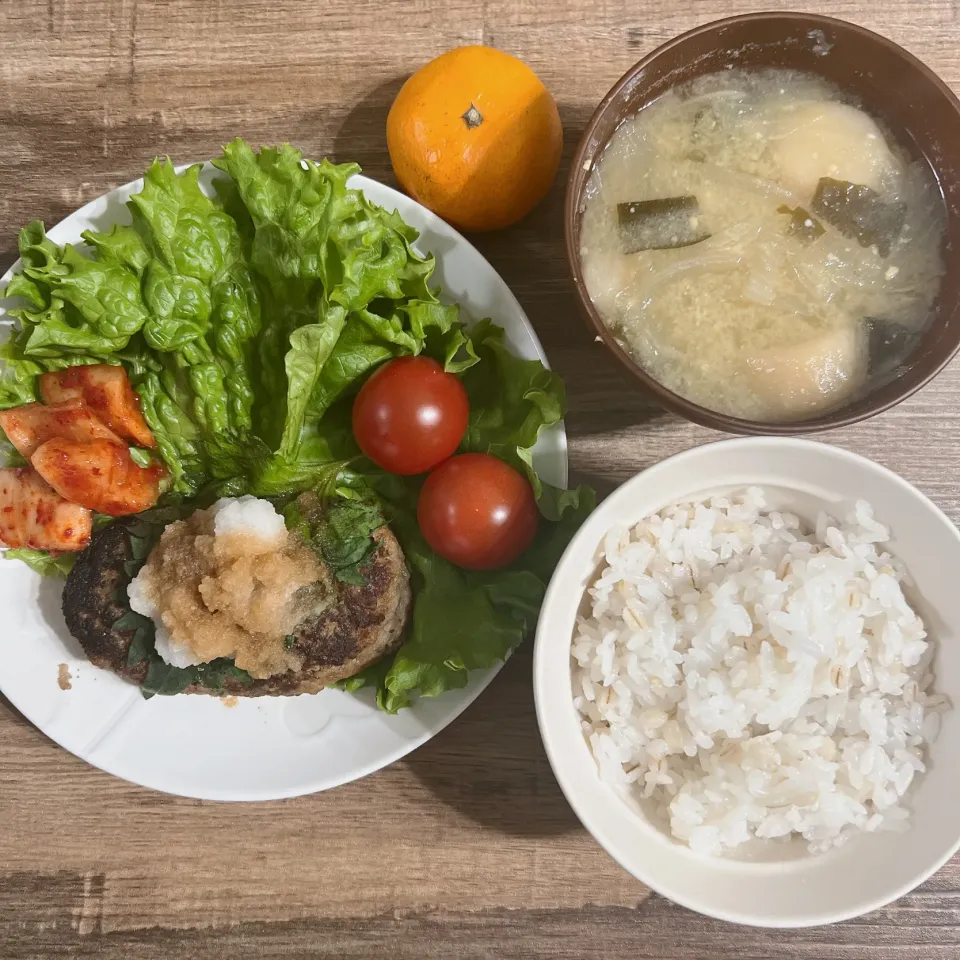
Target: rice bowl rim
(597,804)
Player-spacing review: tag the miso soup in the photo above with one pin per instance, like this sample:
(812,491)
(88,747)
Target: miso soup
(760,245)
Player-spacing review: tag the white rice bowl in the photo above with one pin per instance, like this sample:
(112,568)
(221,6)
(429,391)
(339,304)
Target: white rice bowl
(752,679)
(768,881)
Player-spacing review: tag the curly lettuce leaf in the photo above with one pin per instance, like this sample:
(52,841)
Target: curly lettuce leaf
(120,246)
(202,295)
(311,346)
(336,355)
(56,565)
(75,304)
(18,378)
(196,282)
(171,297)
(309,226)
(346,288)
(52,332)
(511,401)
(291,206)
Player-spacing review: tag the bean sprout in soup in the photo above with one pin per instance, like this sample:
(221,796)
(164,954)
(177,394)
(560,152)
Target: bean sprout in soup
(760,246)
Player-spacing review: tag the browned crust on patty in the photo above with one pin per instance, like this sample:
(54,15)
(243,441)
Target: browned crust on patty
(362,626)
(90,609)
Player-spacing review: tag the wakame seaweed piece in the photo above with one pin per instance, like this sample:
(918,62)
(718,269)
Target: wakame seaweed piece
(705,122)
(664,224)
(888,344)
(859,212)
(803,225)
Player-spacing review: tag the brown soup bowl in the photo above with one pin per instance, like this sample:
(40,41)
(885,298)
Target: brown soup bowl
(911,101)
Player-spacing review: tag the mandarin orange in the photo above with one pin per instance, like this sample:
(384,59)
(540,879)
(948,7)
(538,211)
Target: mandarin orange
(475,136)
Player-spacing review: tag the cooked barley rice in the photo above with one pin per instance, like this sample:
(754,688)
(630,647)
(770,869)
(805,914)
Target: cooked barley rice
(749,677)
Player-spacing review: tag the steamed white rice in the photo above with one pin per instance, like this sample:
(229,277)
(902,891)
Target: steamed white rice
(750,678)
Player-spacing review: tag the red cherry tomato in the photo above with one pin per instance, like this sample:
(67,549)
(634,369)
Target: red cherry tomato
(410,415)
(477,512)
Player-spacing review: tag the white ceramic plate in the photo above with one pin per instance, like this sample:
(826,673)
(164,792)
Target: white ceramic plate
(781,886)
(263,748)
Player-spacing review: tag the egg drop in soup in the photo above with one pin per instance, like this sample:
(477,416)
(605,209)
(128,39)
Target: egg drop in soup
(761,246)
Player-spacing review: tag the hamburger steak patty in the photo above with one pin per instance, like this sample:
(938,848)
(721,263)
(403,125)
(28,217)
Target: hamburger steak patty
(364,624)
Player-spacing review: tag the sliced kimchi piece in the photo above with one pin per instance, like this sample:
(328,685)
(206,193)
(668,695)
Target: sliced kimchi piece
(30,426)
(106,390)
(99,475)
(34,515)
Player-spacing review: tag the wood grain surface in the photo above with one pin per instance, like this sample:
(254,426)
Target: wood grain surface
(467,848)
